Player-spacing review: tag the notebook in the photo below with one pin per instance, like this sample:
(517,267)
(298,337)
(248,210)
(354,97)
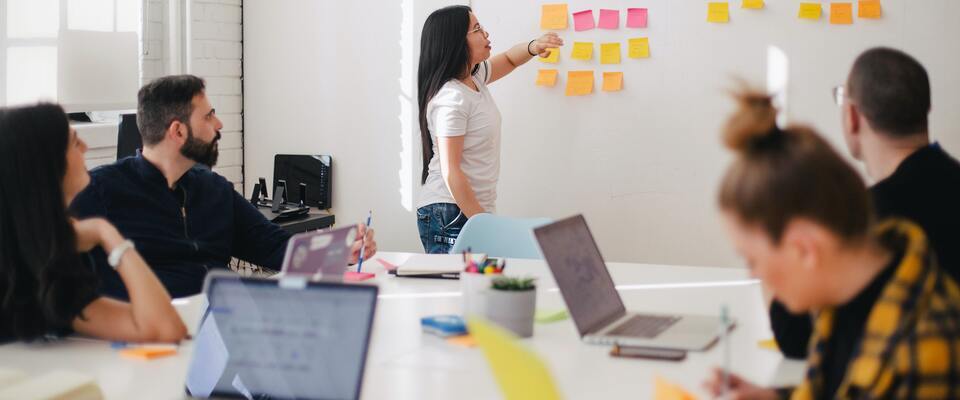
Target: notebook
(436,265)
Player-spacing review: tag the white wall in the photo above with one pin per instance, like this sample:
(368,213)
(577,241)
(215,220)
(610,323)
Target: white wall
(642,164)
(214,53)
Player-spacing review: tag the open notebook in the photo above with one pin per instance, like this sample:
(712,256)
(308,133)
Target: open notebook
(54,385)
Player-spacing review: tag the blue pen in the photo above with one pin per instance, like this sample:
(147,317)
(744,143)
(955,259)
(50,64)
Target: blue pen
(363,240)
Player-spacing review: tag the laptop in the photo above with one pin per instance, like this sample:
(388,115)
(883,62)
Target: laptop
(319,254)
(595,305)
(281,339)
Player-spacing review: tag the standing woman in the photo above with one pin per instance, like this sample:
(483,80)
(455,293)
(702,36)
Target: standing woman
(47,283)
(460,122)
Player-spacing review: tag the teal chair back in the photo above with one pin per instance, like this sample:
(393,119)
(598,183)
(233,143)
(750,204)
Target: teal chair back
(498,236)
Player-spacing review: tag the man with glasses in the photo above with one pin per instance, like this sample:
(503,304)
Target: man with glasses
(885,105)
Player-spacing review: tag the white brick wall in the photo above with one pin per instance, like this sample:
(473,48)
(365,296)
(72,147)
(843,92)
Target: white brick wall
(216,54)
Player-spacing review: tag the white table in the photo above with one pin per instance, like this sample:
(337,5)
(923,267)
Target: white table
(405,364)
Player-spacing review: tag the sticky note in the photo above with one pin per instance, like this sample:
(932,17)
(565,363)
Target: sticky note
(612,81)
(754,4)
(582,51)
(354,276)
(553,56)
(553,16)
(579,83)
(639,47)
(718,12)
(869,9)
(841,13)
(665,390)
(610,53)
(547,77)
(148,353)
(519,372)
(387,265)
(548,316)
(809,11)
(609,19)
(636,18)
(463,341)
(583,20)
(768,344)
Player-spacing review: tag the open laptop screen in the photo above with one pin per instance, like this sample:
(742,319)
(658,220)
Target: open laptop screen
(578,268)
(261,339)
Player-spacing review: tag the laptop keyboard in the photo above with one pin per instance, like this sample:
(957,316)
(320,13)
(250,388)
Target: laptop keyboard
(644,326)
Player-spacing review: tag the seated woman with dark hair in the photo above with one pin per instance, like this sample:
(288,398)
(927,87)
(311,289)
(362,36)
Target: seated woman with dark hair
(47,285)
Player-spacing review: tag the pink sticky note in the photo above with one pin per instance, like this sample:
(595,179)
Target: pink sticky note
(387,265)
(583,20)
(609,19)
(353,276)
(636,18)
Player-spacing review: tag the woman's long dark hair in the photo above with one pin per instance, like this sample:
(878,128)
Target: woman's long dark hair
(444,55)
(42,280)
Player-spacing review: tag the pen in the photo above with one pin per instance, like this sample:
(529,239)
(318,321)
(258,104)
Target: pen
(725,336)
(363,240)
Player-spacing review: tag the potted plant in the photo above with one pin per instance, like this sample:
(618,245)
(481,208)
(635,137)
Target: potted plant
(511,303)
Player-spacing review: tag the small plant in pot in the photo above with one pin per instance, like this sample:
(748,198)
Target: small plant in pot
(512,303)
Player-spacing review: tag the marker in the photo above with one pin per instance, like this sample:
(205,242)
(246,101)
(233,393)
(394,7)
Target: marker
(363,240)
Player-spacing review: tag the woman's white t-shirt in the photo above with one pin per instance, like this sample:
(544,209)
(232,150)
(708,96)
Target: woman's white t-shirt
(458,110)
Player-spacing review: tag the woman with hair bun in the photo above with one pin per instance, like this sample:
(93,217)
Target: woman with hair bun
(887,316)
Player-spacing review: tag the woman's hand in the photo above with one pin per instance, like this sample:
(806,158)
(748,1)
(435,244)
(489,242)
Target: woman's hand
(93,232)
(738,389)
(549,40)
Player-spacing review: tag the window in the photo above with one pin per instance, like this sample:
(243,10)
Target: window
(40,59)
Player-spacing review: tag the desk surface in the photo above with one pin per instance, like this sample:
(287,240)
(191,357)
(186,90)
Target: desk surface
(405,364)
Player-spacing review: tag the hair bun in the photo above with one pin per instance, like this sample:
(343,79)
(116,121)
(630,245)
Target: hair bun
(754,121)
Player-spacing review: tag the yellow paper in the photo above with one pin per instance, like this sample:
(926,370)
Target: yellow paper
(553,16)
(768,344)
(582,51)
(547,77)
(869,9)
(752,4)
(718,12)
(665,390)
(841,13)
(579,83)
(612,81)
(520,373)
(809,11)
(553,56)
(610,53)
(639,47)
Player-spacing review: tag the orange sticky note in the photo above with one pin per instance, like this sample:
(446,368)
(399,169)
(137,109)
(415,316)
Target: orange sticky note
(809,11)
(638,47)
(612,81)
(463,341)
(755,4)
(665,390)
(553,56)
(148,353)
(547,77)
(553,16)
(841,13)
(610,53)
(718,12)
(579,83)
(869,9)
(582,51)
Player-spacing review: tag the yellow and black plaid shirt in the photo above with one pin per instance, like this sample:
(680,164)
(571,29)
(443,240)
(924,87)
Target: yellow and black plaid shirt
(911,342)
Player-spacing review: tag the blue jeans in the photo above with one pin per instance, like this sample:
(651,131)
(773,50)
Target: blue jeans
(439,226)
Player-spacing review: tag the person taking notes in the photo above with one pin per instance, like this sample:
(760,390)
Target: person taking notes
(459,120)
(47,282)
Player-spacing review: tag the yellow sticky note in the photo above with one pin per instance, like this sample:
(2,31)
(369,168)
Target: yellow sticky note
(869,9)
(768,344)
(665,390)
(553,16)
(579,83)
(756,4)
(612,81)
(547,77)
(520,373)
(718,12)
(610,53)
(639,47)
(809,11)
(553,56)
(841,13)
(582,51)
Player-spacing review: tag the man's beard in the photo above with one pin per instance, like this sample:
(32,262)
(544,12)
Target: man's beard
(200,151)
